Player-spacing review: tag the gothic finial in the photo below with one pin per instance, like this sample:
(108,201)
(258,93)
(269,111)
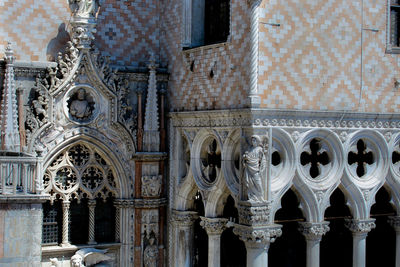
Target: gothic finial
(9,54)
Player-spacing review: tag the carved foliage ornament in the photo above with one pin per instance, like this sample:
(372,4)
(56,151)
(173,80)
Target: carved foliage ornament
(151,185)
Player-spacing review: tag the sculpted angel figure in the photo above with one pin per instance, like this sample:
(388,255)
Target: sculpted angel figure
(254,164)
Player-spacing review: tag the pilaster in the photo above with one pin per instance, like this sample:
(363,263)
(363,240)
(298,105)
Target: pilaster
(183,222)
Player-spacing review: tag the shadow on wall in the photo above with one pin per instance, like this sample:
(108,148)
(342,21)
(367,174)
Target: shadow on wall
(57,44)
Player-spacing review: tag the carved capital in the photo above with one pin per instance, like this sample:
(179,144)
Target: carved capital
(314,231)
(254,213)
(257,236)
(213,226)
(394,221)
(360,226)
(184,218)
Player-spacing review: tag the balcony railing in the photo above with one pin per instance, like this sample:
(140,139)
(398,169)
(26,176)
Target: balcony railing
(18,174)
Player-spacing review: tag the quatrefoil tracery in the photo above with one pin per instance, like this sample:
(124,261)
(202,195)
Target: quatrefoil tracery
(79,171)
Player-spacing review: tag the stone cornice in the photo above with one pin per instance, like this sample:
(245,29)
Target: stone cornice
(260,118)
(183,218)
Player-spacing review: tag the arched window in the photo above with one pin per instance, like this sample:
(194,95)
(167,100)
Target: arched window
(82,186)
(206,22)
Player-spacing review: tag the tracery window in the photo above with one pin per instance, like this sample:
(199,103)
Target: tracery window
(82,187)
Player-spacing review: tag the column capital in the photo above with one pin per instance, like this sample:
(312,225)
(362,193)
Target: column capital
(184,218)
(394,221)
(360,226)
(92,203)
(314,231)
(253,214)
(258,237)
(213,226)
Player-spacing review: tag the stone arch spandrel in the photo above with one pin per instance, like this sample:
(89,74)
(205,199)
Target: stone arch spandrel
(122,169)
(184,197)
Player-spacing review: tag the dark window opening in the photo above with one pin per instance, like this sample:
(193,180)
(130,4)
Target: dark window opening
(52,223)
(79,222)
(216,21)
(200,244)
(105,221)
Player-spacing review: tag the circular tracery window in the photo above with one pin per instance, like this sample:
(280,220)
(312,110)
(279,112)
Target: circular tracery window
(80,170)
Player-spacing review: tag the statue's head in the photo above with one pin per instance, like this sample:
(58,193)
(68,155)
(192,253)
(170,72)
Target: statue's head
(76,261)
(255,140)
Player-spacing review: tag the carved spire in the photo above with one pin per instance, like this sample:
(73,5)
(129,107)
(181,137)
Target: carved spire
(9,110)
(151,123)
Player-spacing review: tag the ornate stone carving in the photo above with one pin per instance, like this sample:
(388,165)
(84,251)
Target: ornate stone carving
(89,256)
(254,165)
(151,185)
(360,226)
(214,226)
(183,218)
(150,221)
(314,231)
(150,253)
(81,105)
(257,236)
(83,8)
(254,214)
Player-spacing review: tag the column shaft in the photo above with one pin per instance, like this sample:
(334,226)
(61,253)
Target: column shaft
(65,224)
(92,207)
(359,242)
(313,253)
(257,256)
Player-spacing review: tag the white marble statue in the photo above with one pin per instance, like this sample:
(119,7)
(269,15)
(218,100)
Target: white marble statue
(84,8)
(254,164)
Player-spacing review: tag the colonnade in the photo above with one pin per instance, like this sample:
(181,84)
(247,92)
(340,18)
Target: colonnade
(258,239)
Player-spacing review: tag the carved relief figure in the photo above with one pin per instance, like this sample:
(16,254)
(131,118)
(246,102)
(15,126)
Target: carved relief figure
(80,107)
(76,261)
(253,166)
(151,185)
(150,254)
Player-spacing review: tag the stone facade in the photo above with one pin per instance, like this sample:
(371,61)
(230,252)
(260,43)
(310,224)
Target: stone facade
(129,140)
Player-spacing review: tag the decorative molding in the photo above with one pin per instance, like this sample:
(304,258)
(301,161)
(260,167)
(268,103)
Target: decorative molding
(257,236)
(357,226)
(254,213)
(314,231)
(183,218)
(214,226)
(150,203)
(394,221)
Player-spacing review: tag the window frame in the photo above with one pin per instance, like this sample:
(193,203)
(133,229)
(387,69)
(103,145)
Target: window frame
(194,37)
(390,48)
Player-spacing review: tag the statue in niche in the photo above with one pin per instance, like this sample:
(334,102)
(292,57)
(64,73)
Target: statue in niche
(83,8)
(254,164)
(81,106)
(150,253)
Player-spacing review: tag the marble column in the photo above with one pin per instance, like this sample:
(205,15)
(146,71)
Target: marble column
(214,228)
(395,223)
(65,224)
(183,221)
(257,240)
(360,229)
(92,207)
(313,233)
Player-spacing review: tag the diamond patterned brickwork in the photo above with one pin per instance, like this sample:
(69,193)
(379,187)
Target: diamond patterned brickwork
(33,27)
(189,90)
(313,60)
(126,30)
